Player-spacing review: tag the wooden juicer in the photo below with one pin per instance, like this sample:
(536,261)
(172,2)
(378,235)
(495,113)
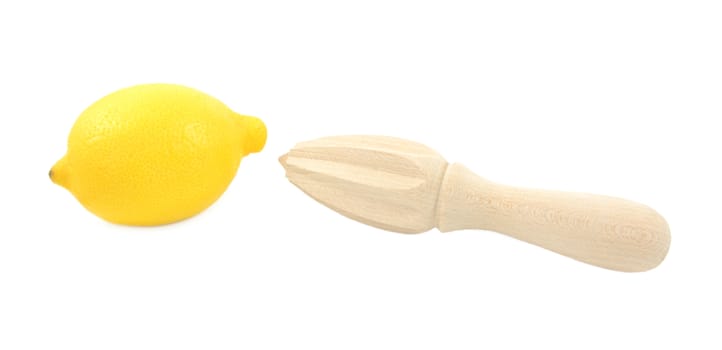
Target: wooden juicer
(404,186)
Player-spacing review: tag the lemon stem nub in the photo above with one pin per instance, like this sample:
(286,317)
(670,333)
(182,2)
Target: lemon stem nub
(255,134)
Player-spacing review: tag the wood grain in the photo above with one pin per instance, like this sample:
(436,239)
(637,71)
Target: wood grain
(381,181)
(404,186)
(605,231)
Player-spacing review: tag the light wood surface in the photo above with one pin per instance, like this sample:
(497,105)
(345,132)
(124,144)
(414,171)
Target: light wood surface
(605,231)
(404,186)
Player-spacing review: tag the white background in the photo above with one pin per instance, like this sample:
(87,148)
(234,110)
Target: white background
(615,97)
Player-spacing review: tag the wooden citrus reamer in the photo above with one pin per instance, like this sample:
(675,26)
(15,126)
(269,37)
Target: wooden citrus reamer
(404,186)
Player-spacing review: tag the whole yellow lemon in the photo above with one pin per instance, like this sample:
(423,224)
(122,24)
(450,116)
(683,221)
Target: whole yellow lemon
(155,154)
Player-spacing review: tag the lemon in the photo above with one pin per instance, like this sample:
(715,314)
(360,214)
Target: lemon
(155,154)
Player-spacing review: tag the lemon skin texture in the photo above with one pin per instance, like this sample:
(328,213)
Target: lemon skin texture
(155,154)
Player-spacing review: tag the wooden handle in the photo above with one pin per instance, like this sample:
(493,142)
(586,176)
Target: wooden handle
(604,231)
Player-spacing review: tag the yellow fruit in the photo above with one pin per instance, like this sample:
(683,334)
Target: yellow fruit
(155,154)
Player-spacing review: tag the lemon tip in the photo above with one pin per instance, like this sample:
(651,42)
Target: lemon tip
(58,173)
